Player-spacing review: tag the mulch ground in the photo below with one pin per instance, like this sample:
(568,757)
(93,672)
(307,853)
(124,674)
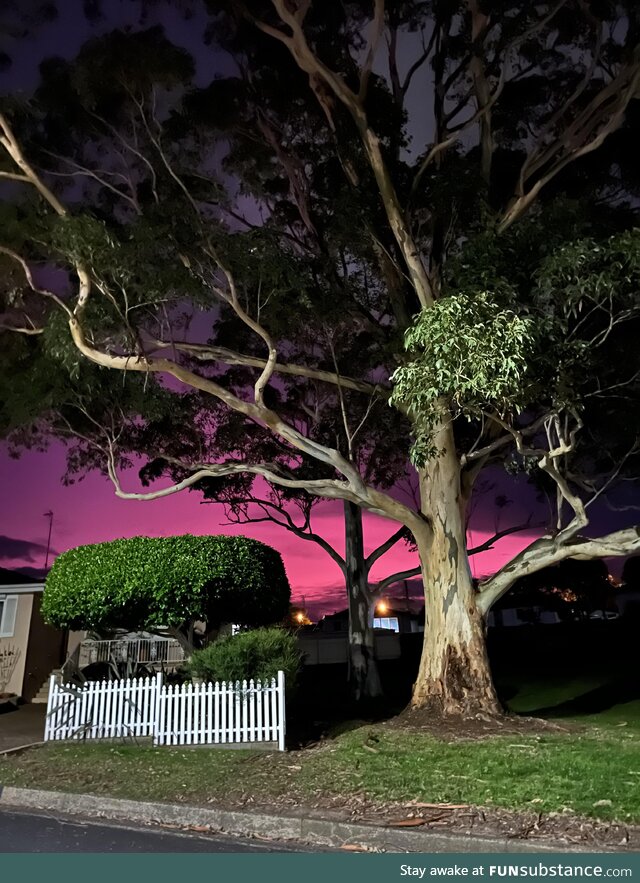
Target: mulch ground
(454,729)
(550,829)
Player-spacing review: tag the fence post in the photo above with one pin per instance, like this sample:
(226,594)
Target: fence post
(155,712)
(48,724)
(281,711)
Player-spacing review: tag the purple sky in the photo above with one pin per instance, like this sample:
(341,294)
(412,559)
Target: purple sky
(89,512)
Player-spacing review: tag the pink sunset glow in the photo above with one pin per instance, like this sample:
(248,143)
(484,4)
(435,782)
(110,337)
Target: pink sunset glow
(89,512)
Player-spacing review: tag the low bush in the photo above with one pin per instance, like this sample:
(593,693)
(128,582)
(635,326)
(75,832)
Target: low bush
(257,655)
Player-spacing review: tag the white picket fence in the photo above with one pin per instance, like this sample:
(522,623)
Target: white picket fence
(187,714)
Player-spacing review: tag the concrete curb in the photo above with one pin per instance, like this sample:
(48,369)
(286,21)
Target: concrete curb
(319,831)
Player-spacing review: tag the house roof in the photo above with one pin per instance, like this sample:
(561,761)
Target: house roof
(395,607)
(17,583)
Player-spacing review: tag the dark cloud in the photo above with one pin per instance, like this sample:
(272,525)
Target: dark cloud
(25,550)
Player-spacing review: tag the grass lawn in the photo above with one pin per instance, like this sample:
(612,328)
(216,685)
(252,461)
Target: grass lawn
(599,699)
(594,773)
(592,770)
(534,694)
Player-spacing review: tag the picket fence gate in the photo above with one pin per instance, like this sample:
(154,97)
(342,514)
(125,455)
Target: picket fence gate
(187,714)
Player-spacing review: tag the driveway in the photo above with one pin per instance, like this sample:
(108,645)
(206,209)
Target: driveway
(22,726)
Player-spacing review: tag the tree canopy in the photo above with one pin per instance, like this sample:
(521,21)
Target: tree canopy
(166,582)
(288,244)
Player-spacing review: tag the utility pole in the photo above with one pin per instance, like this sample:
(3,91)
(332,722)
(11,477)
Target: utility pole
(48,515)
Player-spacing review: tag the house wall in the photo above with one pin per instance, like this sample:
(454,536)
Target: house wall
(45,651)
(20,641)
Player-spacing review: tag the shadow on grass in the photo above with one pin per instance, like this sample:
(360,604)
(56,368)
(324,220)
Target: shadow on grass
(596,701)
(577,670)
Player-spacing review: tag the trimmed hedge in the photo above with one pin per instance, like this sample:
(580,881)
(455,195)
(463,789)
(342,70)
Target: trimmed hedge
(147,582)
(259,654)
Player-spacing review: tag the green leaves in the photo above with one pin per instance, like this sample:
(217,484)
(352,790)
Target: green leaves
(146,582)
(82,238)
(540,332)
(259,654)
(467,354)
(588,274)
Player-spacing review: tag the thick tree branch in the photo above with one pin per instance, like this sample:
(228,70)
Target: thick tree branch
(547,551)
(319,74)
(384,547)
(353,488)
(207,353)
(489,543)
(10,144)
(394,578)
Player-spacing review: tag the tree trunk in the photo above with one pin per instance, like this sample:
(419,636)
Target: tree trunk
(454,677)
(184,637)
(364,679)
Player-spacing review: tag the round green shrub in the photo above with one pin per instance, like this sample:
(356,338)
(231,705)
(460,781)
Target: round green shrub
(257,655)
(148,582)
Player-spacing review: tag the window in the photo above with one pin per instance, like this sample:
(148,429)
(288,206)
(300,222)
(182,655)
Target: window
(8,609)
(386,622)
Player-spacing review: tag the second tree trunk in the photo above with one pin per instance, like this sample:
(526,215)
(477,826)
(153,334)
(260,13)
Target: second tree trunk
(364,679)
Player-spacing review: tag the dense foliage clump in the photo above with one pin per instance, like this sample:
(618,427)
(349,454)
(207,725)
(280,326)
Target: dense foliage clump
(149,582)
(257,655)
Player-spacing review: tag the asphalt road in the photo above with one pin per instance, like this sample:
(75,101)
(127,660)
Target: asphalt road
(31,832)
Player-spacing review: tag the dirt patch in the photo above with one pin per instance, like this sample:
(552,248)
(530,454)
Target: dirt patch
(452,729)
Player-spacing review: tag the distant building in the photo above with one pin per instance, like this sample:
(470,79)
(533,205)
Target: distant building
(392,615)
(515,615)
(627,601)
(327,641)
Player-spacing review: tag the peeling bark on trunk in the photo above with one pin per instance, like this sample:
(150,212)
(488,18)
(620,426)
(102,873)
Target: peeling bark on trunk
(364,679)
(454,677)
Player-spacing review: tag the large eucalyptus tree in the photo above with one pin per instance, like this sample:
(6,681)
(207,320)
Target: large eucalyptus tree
(518,303)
